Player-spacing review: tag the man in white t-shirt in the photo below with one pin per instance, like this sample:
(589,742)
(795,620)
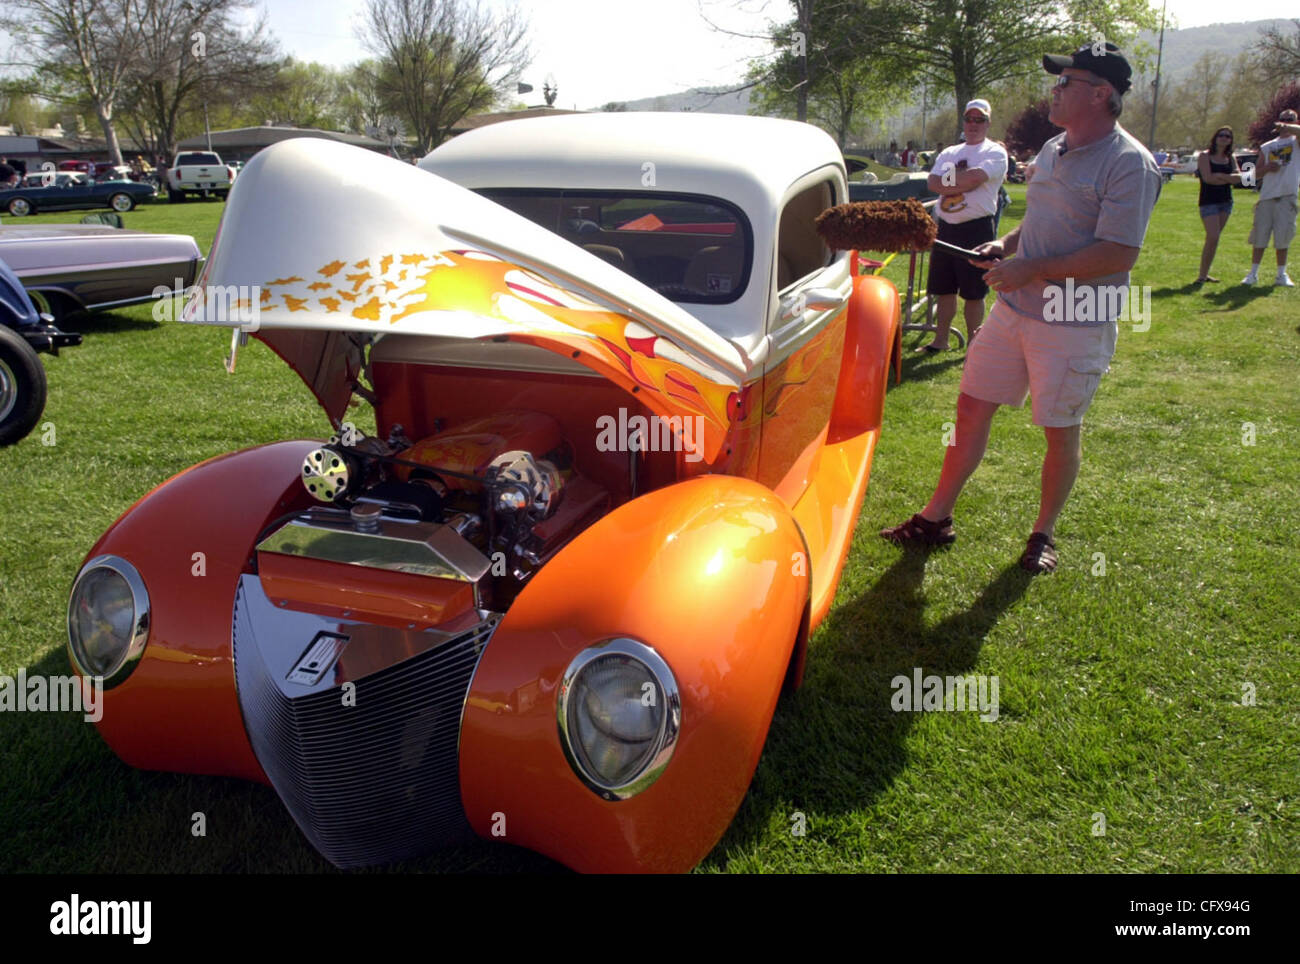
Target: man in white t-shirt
(1275,211)
(967,177)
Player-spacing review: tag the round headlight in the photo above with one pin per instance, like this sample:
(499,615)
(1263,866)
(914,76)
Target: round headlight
(618,712)
(108,619)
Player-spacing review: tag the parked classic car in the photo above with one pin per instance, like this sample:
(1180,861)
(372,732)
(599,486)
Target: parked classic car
(82,267)
(67,195)
(23,333)
(626,400)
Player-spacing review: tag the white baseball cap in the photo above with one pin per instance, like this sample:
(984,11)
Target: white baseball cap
(980,105)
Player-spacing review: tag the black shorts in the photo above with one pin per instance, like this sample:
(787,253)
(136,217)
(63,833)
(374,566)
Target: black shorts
(951,275)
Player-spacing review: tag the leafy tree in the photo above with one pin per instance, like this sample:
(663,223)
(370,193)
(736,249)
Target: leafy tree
(1030,129)
(969,45)
(362,104)
(439,60)
(303,95)
(1197,101)
(1287,97)
(818,70)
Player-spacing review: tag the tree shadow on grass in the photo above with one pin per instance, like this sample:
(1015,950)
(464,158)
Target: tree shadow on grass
(69,805)
(837,744)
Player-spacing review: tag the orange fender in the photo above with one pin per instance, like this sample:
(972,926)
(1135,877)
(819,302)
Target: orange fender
(711,574)
(178,710)
(873,332)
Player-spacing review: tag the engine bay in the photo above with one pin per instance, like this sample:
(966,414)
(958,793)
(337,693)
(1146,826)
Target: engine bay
(485,505)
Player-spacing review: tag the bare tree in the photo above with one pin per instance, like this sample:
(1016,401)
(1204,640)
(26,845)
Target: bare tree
(439,60)
(193,52)
(1278,54)
(78,50)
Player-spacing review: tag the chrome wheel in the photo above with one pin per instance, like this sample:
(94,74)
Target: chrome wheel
(20,207)
(8,390)
(121,203)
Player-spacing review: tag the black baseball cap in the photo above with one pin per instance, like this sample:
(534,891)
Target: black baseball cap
(1105,60)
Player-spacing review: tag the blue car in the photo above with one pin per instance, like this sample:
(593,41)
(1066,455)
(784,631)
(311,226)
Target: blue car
(23,333)
(66,194)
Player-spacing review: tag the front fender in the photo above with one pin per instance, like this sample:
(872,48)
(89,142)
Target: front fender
(710,573)
(178,710)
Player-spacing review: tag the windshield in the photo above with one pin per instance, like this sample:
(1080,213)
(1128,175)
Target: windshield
(688,248)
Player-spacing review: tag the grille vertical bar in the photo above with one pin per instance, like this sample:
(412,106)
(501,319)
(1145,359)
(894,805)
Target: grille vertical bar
(373,782)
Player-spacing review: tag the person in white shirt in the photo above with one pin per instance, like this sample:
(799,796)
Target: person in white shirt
(967,177)
(1275,211)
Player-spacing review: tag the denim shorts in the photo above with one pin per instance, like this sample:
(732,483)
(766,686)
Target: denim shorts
(1209,210)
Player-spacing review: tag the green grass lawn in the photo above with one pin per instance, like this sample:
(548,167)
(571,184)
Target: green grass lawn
(1123,693)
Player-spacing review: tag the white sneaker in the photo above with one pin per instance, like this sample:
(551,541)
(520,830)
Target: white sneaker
(1283,281)
(1251,279)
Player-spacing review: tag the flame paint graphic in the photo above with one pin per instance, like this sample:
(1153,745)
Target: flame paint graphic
(390,288)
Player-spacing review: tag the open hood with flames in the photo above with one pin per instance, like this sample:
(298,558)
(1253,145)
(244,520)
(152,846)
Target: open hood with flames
(324,246)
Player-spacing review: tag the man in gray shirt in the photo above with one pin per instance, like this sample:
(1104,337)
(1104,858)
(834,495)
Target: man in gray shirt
(1052,331)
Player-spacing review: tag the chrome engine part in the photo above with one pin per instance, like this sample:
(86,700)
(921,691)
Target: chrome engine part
(367,537)
(445,506)
(537,484)
(328,473)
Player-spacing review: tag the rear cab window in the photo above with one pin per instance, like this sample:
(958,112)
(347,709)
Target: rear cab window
(197,158)
(689,248)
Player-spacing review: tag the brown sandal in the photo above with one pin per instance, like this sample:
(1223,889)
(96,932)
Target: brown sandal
(922,532)
(1039,554)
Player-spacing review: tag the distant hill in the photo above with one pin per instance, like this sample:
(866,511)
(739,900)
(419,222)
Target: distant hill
(1182,49)
(699,99)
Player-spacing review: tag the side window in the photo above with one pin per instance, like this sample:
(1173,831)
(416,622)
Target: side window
(799,249)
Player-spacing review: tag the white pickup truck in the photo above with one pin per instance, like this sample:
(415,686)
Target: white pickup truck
(198,172)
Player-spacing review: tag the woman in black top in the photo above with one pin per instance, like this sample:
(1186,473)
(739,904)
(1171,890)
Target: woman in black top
(1217,169)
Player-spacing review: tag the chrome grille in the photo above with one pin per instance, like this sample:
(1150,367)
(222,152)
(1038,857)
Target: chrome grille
(368,783)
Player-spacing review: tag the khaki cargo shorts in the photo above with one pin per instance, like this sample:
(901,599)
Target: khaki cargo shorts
(1275,216)
(1059,366)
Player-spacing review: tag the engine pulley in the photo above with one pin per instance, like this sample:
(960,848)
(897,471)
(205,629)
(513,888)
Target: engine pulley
(328,473)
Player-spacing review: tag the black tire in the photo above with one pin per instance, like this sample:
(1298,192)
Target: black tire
(121,202)
(223,194)
(175,197)
(21,207)
(22,387)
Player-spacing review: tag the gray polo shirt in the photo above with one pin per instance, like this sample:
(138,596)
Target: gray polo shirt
(1104,191)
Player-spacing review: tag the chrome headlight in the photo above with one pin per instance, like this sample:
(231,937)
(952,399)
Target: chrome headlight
(108,619)
(618,712)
